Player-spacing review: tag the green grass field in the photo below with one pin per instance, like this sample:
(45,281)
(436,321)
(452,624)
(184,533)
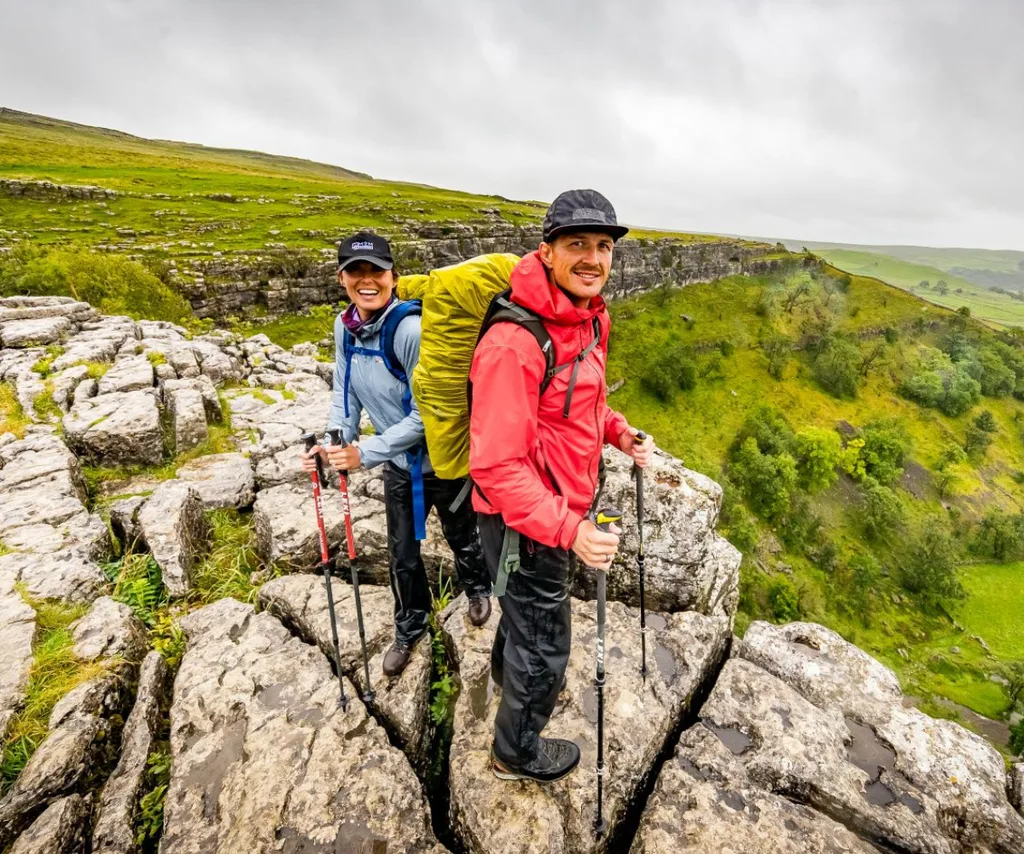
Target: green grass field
(700,425)
(983,303)
(184,201)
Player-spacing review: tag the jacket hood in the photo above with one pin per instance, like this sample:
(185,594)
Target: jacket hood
(532,289)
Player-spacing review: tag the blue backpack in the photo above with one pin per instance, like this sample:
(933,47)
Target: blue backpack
(387,352)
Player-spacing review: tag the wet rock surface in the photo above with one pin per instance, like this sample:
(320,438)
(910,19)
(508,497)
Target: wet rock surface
(954,768)
(902,781)
(63,828)
(300,601)
(706,803)
(494,816)
(263,757)
(118,803)
(687,566)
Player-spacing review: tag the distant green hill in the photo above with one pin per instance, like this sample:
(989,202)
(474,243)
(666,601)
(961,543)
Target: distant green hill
(699,363)
(924,281)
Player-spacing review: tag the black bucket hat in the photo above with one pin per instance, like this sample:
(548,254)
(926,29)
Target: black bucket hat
(581,210)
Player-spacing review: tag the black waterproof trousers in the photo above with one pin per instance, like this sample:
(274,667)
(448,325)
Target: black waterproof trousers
(408,575)
(531,648)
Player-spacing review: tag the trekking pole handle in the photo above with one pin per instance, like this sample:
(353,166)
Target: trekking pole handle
(309,439)
(607,517)
(334,434)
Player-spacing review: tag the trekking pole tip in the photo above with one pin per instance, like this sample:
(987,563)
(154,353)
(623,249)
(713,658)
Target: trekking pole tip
(600,827)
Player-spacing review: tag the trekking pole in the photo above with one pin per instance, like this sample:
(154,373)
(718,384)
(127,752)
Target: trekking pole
(638,474)
(325,563)
(336,439)
(603,519)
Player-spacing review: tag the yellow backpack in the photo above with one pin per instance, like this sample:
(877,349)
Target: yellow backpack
(455,301)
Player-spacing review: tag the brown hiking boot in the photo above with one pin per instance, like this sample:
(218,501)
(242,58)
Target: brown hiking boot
(396,659)
(479,610)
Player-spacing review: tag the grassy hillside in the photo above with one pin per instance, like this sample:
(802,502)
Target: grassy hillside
(182,200)
(984,303)
(816,555)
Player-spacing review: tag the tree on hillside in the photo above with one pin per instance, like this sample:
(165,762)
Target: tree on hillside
(767,480)
(837,368)
(929,568)
(881,514)
(871,355)
(1000,536)
(941,287)
(1013,673)
(778,348)
(818,451)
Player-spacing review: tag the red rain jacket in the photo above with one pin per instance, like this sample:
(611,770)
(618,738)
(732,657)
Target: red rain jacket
(529,463)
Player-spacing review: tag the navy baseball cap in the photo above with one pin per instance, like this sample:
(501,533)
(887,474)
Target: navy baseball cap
(365,246)
(581,210)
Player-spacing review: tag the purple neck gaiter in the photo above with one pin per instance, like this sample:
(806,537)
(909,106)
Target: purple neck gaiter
(354,323)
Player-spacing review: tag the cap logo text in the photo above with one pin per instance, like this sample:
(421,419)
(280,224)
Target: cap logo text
(362,244)
(589,213)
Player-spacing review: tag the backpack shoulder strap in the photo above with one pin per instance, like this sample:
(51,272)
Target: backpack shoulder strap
(387,336)
(503,310)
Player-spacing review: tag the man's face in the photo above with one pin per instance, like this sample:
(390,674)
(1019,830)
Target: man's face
(368,286)
(579,263)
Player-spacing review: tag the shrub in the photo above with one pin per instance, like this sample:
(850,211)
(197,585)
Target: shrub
(1017,739)
(996,378)
(668,371)
(929,568)
(881,513)
(977,442)
(885,446)
(111,283)
(864,573)
(962,392)
(769,428)
(778,348)
(818,451)
(768,481)
(924,388)
(1000,536)
(784,599)
(837,368)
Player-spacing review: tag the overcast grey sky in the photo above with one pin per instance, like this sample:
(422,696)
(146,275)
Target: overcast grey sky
(870,121)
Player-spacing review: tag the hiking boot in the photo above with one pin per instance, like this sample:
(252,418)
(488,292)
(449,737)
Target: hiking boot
(479,610)
(396,659)
(556,757)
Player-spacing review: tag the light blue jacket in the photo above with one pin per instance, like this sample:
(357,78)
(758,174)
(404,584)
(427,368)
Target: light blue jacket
(373,387)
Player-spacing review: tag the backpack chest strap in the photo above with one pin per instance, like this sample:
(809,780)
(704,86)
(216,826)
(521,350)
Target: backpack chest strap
(575,365)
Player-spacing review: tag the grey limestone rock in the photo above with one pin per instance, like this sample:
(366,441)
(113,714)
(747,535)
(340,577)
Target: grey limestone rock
(188,417)
(17,632)
(300,602)
(221,480)
(265,759)
(118,803)
(176,531)
(493,816)
(109,630)
(116,429)
(63,828)
(688,566)
(129,373)
(33,331)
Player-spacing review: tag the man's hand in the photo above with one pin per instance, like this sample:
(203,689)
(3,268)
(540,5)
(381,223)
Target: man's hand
(641,452)
(595,547)
(344,459)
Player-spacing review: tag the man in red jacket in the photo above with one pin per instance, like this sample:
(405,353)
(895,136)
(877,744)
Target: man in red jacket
(534,460)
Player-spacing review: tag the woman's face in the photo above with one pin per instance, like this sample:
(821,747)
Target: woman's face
(368,286)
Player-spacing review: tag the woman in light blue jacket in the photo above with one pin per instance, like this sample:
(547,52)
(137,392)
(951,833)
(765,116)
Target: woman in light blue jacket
(377,343)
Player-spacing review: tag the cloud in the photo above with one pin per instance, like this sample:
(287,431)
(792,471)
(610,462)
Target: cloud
(848,120)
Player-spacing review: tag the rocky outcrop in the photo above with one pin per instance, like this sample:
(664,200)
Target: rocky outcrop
(41,499)
(706,803)
(175,530)
(401,704)
(63,828)
(121,428)
(640,718)
(1016,787)
(687,565)
(83,728)
(221,480)
(264,758)
(17,632)
(118,804)
(69,576)
(188,418)
(817,721)
(109,630)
